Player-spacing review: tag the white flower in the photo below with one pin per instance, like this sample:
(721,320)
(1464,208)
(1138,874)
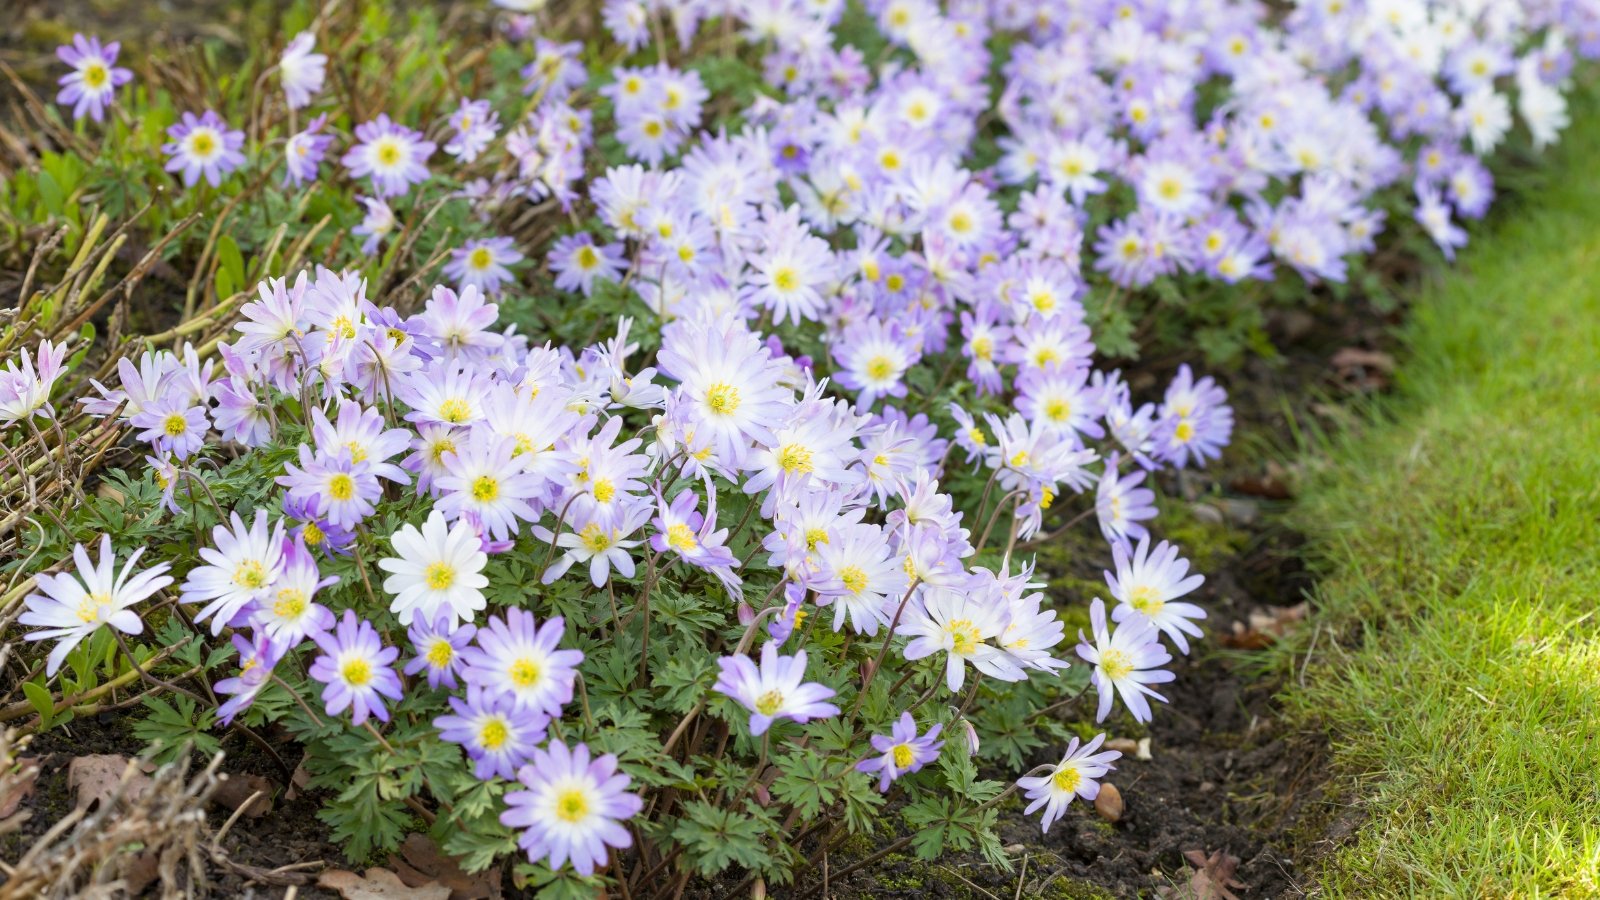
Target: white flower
(241,569)
(72,608)
(302,71)
(959,624)
(1074,776)
(438,569)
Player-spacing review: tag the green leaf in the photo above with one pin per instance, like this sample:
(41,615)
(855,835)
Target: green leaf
(230,260)
(42,701)
(718,838)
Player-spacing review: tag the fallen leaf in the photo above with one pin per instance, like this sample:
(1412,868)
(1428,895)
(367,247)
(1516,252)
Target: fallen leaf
(1108,803)
(1264,627)
(141,872)
(1213,876)
(421,861)
(96,778)
(1364,370)
(298,781)
(18,787)
(1273,484)
(378,884)
(236,790)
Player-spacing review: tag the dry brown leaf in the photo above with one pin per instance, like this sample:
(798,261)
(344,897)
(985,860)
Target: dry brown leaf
(1108,803)
(378,884)
(236,790)
(96,778)
(298,781)
(1265,626)
(1213,876)
(1363,369)
(421,861)
(16,788)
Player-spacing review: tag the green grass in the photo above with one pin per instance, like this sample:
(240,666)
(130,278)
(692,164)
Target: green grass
(1459,540)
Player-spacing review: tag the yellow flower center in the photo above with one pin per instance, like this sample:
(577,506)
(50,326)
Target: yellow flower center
(485,489)
(854,579)
(1146,599)
(1169,188)
(1116,664)
(525,673)
(902,756)
(572,805)
(786,279)
(441,654)
(494,734)
(387,151)
(358,452)
(290,604)
(356,672)
(895,283)
(250,575)
(89,609)
(723,398)
(1058,409)
(1067,779)
(341,487)
(977,436)
(769,703)
(202,143)
(681,537)
(95,75)
(481,258)
(455,411)
(440,448)
(795,459)
(604,490)
(983,347)
(587,257)
(311,534)
(595,538)
(880,368)
(439,576)
(653,128)
(175,424)
(961,222)
(815,536)
(1184,432)
(964,637)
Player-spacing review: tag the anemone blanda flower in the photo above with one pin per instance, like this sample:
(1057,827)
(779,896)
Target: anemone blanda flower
(286,612)
(25,391)
(497,735)
(601,544)
(1148,583)
(356,670)
(774,690)
(302,70)
(70,607)
(94,78)
(343,491)
(901,751)
(484,477)
(1125,663)
(257,657)
(482,264)
(521,659)
(375,225)
(239,570)
(1121,505)
(571,807)
(436,572)
(438,647)
(1077,775)
(304,151)
(203,147)
(475,123)
(393,156)
(172,425)
(960,625)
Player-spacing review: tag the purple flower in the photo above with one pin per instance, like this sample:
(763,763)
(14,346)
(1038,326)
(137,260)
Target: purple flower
(475,123)
(577,261)
(518,658)
(1126,662)
(439,649)
(482,264)
(203,146)
(355,666)
(572,808)
(1194,422)
(497,735)
(172,426)
(774,690)
(901,751)
(305,151)
(94,76)
(1075,776)
(1121,505)
(302,71)
(256,660)
(393,156)
(345,492)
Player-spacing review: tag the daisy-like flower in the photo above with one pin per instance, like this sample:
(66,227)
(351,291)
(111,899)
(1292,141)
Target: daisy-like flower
(901,751)
(302,71)
(603,546)
(286,613)
(519,658)
(729,380)
(482,263)
(497,736)
(203,146)
(475,123)
(571,807)
(959,624)
(239,570)
(356,669)
(375,225)
(1125,663)
(436,572)
(439,646)
(304,152)
(484,477)
(774,690)
(256,660)
(342,491)
(172,425)
(873,359)
(577,261)
(1146,586)
(857,575)
(94,78)
(69,608)
(1121,505)
(393,156)
(1077,775)
(25,391)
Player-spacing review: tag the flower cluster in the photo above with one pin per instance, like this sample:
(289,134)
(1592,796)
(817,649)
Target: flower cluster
(861,374)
